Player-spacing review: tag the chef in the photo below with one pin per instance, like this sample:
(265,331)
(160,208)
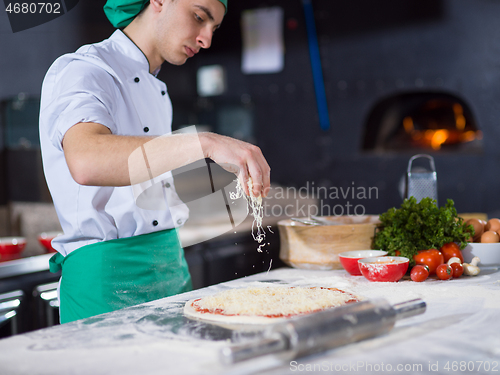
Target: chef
(104,114)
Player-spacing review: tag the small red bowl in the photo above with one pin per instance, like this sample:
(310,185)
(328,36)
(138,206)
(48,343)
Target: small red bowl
(12,245)
(386,269)
(46,238)
(349,259)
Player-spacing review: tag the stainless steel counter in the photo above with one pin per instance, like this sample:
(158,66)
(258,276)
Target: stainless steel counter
(457,333)
(24,266)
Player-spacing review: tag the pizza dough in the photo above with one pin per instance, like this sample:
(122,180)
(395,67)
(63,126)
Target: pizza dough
(257,305)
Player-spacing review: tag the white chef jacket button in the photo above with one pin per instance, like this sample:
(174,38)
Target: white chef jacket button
(163,92)
(167,185)
(155,223)
(136,79)
(146,129)
(179,221)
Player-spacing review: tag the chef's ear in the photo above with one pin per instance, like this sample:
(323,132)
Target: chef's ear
(156,5)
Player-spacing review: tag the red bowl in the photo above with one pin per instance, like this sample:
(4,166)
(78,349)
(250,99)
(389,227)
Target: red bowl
(349,259)
(387,269)
(46,238)
(12,245)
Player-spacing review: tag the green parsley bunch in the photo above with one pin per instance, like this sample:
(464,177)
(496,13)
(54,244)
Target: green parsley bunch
(420,226)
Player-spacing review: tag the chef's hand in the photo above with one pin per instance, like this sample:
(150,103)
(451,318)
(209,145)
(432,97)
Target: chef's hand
(247,158)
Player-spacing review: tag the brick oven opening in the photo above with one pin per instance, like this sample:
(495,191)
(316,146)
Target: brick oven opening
(423,121)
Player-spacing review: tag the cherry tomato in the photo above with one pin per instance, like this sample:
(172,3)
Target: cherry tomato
(450,250)
(419,273)
(444,271)
(431,258)
(457,268)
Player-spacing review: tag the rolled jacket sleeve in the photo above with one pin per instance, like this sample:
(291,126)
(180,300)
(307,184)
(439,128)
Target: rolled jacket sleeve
(76,98)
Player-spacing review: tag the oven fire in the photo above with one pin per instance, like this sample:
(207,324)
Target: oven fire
(431,136)
(425,121)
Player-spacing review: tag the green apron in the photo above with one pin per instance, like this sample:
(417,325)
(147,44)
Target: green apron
(111,275)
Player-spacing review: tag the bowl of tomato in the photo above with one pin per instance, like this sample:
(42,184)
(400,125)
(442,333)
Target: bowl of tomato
(384,269)
(349,259)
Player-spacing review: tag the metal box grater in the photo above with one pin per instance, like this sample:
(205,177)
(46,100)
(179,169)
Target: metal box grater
(421,183)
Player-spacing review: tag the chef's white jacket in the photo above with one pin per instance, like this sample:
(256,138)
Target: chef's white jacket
(107,83)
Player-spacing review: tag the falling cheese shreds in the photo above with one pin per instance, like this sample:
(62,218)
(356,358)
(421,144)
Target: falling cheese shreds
(255,208)
(276,301)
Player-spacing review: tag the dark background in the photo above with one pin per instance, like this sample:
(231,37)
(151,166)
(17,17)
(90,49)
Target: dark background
(370,50)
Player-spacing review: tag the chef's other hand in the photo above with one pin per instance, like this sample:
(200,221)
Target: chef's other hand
(246,157)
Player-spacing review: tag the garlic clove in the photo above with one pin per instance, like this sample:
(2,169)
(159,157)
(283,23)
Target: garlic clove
(475,261)
(454,260)
(471,269)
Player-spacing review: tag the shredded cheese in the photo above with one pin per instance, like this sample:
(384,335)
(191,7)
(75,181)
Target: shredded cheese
(274,301)
(255,208)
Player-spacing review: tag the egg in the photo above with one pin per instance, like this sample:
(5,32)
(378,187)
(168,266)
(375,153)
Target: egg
(493,224)
(478,228)
(490,237)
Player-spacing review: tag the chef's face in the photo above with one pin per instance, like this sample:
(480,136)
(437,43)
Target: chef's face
(186,26)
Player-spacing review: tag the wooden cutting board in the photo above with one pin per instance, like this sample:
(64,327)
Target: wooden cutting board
(317,246)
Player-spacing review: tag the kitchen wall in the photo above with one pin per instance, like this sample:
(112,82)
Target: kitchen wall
(369,50)
(26,55)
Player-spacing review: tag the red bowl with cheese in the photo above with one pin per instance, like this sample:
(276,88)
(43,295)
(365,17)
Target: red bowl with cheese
(384,269)
(45,239)
(349,259)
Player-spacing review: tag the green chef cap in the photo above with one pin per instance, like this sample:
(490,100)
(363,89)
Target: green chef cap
(121,12)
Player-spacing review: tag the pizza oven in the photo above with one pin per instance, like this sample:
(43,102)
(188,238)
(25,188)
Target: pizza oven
(422,122)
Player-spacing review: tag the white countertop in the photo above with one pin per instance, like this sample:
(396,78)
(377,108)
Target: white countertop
(459,330)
